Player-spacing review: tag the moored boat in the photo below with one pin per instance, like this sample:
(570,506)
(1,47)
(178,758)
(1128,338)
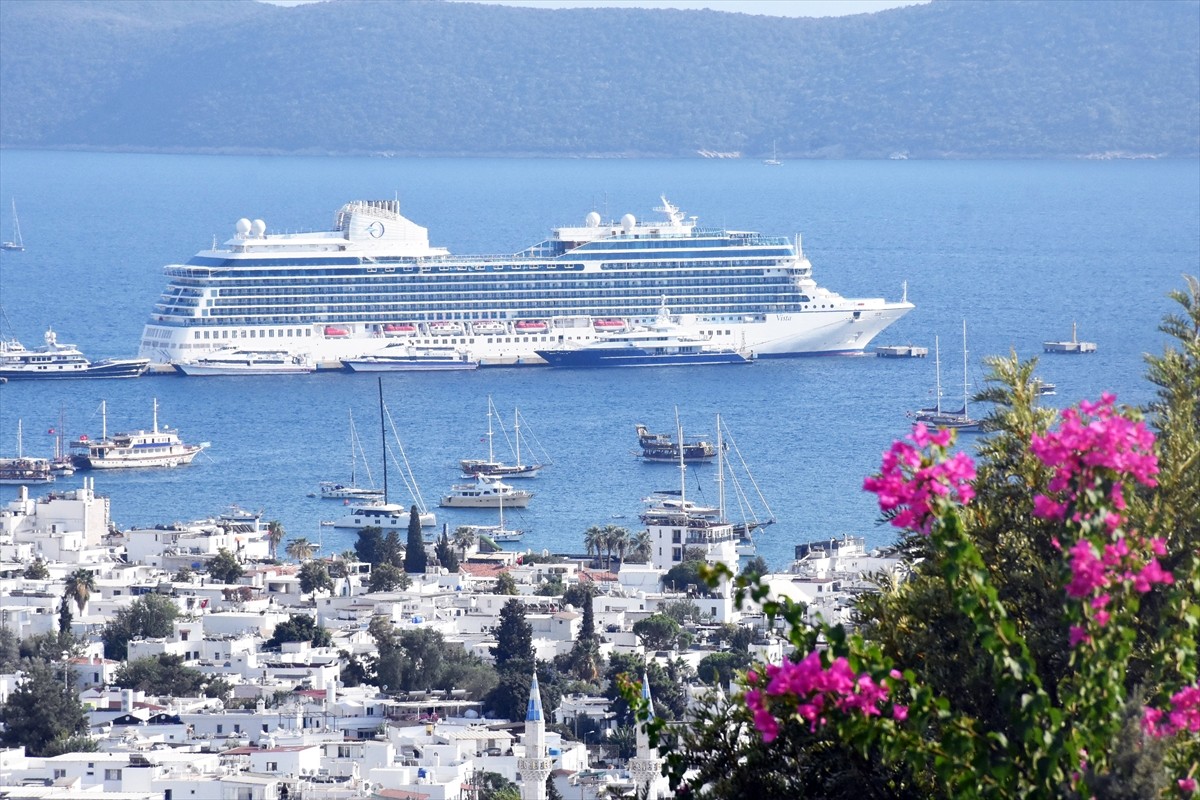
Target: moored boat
(485,492)
(661,447)
(498,469)
(939,417)
(153,448)
(25,471)
(660,344)
(336,490)
(407,358)
(740,289)
(233,361)
(58,361)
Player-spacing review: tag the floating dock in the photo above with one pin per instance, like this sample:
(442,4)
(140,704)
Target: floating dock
(1073,346)
(901,351)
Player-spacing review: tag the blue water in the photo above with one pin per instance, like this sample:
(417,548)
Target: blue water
(1017,249)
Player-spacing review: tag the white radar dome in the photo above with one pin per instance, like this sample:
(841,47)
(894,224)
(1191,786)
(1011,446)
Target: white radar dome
(628,222)
(258,228)
(593,220)
(242,227)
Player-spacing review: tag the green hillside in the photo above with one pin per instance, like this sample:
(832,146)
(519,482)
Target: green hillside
(948,79)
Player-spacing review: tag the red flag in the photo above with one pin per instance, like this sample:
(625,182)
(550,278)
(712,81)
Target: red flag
(51,431)
(83,437)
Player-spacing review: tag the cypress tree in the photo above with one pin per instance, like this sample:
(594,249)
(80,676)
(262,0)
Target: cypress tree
(415,559)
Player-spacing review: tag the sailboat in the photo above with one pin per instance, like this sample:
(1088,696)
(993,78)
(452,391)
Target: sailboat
(334,490)
(496,469)
(937,416)
(62,463)
(16,243)
(385,515)
(22,470)
(498,533)
(773,161)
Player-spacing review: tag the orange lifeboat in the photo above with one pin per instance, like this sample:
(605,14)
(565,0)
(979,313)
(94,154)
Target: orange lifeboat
(531,325)
(334,332)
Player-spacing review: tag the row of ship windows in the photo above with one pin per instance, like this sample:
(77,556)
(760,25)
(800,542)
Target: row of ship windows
(250,288)
(270,333)
(632,298)
(659,270)
(372,313)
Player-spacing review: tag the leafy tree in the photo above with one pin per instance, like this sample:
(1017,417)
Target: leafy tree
(657,631)
(505,584)
(684,575)
(667,685)
(682,611)
(41,710)
(354,671)
(184,574)
(738,637)
(550,588)
(494,786)
(415,560)
(36,571)
(64,615)
(10,650)
(717,669)
(579,594)
(387,578)
(50,646)
(391,551)
(299,628)
(224,567)
(275,536)
(992,665)
(756,567)
(79,743)
(337,568)
(163,674)
(314,577)
(150,616)
(367,546)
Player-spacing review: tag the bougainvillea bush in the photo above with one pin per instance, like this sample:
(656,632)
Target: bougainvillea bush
(1044,644)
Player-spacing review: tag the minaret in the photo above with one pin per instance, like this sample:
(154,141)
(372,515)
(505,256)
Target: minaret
(534,766)
(646,767)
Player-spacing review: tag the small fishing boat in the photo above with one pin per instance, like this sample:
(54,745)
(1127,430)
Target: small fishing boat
(485,492)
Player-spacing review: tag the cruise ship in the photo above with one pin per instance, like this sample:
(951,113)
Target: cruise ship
(374,278)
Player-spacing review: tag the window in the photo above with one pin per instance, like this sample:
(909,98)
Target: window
(112,774)
(272,766)
(60,773)
(220,729)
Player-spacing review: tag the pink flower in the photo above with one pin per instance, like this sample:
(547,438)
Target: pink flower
(1187,785)
(911,482)
(900,713)
(1078,635)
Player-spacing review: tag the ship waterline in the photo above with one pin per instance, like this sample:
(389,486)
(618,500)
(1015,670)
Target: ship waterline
(351,291)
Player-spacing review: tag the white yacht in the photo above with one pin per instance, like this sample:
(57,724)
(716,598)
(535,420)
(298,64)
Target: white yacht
(153,448)
(344,293)
(233,361)
(486,492)
(55,361)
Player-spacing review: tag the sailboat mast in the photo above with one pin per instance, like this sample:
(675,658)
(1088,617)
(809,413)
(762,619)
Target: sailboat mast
(353,459)
(491,456)
(383,440)
(720,470)
(937,365)
(966,416)
(682,464)
(517,433)
(20,449)
(156,415)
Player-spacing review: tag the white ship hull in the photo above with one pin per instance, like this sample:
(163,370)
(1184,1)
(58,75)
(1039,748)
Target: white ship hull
(341,295)
(386,517)
(136,461)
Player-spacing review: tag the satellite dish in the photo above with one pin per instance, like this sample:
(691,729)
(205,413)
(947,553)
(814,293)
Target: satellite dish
(242,227)
(628,222)
(593,220)
(258,228)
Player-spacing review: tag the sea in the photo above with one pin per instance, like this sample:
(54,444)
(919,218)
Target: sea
(1017,250)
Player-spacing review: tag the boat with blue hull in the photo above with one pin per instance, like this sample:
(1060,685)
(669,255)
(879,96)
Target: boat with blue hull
(347,292)
(663,343)
(54,361)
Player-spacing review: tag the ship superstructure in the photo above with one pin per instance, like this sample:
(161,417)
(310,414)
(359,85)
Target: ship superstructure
(374,278)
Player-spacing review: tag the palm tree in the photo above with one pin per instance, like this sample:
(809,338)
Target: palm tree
(300,549)
(616,540)
(464,538)
(593,540)
(79,587)
(642,545)
(275,534)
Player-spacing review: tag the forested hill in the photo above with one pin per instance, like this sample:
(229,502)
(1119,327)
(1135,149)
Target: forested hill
(944,80)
